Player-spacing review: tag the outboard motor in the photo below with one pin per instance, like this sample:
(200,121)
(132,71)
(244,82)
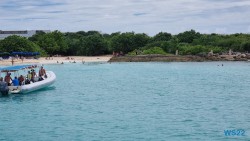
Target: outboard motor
(4,90)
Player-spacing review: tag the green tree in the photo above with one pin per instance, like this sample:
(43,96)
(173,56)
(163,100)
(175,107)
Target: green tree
(162,36)
(92,32)
(127,42)
(246,46)
(60,41)
(122,42)
(36,37)
(17,43)
(140,40)
(206,39)
(170,46)
(93,45)
(73,46)
(52,43)
(48,43)
(188,36)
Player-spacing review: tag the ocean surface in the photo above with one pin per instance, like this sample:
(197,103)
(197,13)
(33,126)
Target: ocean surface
(133,101)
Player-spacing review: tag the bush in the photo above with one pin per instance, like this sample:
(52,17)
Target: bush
(198,49)
(154,50)
(192,50)
(135,52)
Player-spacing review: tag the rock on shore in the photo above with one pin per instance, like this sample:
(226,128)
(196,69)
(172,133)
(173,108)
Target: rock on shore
(178,58)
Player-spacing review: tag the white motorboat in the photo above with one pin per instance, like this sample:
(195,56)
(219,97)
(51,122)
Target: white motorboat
(36,85)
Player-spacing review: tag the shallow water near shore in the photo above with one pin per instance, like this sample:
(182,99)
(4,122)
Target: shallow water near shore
(133,101)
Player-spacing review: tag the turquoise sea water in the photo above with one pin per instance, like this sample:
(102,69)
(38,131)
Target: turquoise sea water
(133,101)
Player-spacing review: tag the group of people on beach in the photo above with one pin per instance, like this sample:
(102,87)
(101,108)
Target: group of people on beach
(117,54)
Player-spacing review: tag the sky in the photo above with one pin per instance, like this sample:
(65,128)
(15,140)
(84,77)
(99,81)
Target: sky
(140,16)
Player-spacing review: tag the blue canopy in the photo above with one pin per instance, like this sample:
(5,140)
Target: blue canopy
(25,53)
(16,68)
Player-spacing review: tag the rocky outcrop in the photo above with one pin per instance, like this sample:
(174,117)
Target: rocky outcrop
(178,58)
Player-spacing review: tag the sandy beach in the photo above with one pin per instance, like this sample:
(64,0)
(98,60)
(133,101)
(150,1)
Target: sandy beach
(55,60)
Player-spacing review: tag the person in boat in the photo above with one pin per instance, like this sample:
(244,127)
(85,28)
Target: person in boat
(42,72)
(27,81)
(4,89)
(29,75)
(21,80)
(15,81)
(8,78)
(33,75)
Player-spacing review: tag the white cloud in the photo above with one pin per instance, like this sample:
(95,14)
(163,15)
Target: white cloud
(149,16)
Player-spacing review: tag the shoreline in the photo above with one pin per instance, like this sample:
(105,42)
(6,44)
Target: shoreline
(126,58)
(57,60)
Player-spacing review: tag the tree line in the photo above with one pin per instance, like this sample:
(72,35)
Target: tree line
(92,43)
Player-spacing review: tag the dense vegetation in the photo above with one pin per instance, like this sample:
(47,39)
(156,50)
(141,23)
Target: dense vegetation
(95,43)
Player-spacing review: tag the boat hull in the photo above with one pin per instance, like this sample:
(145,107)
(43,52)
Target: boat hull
(51,77)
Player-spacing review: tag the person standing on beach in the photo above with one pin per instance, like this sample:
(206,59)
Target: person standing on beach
(12,61)
(22,58)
